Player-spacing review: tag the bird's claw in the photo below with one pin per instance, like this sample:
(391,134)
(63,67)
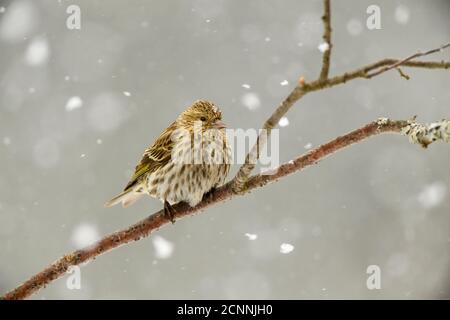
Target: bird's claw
(209,196)
(169,212)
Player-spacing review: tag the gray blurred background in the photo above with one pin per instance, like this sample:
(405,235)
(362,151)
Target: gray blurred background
(78,107)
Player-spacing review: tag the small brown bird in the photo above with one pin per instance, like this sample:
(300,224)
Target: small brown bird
(190,158)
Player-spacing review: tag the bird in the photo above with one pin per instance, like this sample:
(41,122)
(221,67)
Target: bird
(189,159)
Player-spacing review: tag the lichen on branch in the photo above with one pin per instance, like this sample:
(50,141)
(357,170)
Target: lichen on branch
(424,135)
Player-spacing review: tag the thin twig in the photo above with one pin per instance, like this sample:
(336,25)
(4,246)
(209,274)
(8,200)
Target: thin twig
(420,134)
(246,169)
(362,72)
(326,18)
(411,57)
(303,88)
(402,74)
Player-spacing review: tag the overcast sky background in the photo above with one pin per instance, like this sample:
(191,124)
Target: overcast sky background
(78,107)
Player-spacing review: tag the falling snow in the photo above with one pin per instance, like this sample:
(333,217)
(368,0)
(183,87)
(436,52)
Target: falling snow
(37,52)
(286,248)
(18,21)
(84,235)
(126,93)
(284,83)
(432,195)
(251,236)
(74,103)
(251,101)
(163,248)
(284,122)
(323,47)
(402,14)
(246,86)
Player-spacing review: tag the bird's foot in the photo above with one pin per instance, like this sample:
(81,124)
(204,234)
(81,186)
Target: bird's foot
(209,196)
(169,211)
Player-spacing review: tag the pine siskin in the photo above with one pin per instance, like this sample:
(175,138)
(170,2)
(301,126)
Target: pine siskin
(190,158)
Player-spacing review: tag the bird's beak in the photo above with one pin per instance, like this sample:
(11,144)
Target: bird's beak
(219,125)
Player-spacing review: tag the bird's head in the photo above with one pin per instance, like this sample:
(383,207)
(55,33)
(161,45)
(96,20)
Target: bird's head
(204,113)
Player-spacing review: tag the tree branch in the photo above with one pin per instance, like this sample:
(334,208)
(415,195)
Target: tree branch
(238,183)
(402,62)
(303,88)
(326,18)
(417,133)
(363,72)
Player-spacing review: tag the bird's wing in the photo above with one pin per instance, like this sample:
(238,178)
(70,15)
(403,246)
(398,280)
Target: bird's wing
(155,157)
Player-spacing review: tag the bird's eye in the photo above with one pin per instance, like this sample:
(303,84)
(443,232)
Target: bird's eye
(203,118)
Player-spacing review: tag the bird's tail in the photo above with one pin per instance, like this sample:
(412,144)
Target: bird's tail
(127,198)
